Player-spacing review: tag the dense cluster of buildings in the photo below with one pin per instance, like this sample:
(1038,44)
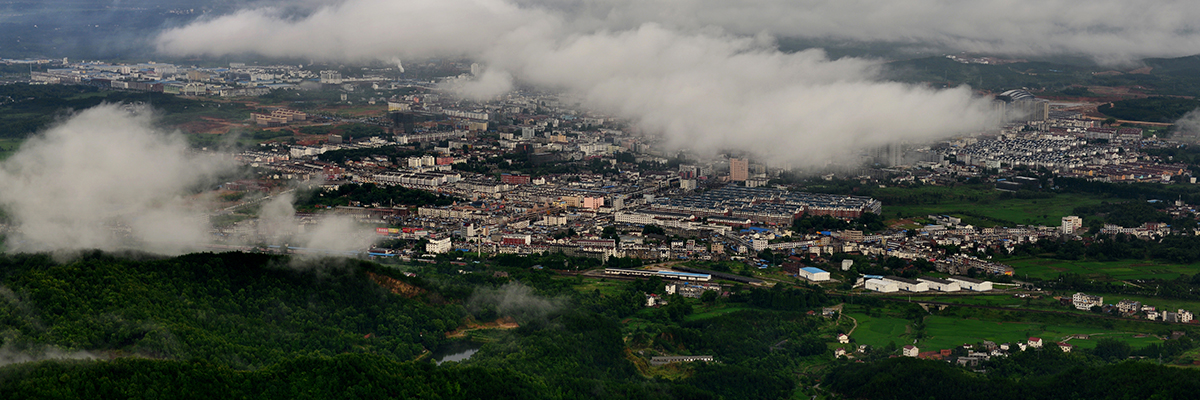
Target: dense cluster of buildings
(1128,309)
(1062,142)
(723,205)
(236,80)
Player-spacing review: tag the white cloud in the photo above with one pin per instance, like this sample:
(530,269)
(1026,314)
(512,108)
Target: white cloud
(1107,30)
(106,179)
(706,82)
(277,220)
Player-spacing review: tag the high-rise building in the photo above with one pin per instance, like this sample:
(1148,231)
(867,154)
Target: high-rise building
(739,169)
(438,246)
(1070,224)
(1021,106)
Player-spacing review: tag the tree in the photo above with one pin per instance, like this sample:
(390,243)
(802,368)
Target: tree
(1112,350)
(653,230)
(678,307)
(610,232)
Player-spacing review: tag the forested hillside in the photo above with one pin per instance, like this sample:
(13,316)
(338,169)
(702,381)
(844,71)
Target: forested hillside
(261,326)
(241,325)
(236,310)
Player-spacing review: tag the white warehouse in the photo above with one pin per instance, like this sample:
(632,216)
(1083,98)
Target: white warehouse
(940,285)
(814,274)
(971,284)
(880,285)
(908,284)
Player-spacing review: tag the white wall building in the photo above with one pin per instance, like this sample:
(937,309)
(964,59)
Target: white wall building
(814,274)
(438,245)
(882,286)
(908,284)
(971,284)
(940,285)
(1184,316)
(1085,302)
(1071,224)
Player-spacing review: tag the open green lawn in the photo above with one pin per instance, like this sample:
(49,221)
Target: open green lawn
(706,313)
(1132,339)
(1108,270)
(947,332)
(999,212)
(606,287)
(997,300)
(9,146)
(878,331)
(944,332)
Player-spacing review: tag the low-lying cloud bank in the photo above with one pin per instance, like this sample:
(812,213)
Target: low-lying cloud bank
(702,87)
(106,178)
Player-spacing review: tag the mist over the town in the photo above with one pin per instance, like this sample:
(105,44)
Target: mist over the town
(706,74)
(703,89)
(108,178)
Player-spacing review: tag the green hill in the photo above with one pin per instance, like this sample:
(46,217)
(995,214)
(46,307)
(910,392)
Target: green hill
(236,310)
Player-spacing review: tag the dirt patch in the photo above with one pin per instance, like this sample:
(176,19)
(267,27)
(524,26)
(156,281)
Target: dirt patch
(1143,70)
(502,323)
(209,125)
(396,286)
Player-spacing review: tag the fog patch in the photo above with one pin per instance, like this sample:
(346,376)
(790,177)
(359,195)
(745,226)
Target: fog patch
(702,87)
(1187,128)
(513,300)
(105,178)
(279,223)
(10,354)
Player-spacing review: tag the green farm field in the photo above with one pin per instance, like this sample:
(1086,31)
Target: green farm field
(8,147)
(1133,340)
(701,313)
(606,287)
(1108,270)
(991,212)
(994,300)
(879,331)
(948,332)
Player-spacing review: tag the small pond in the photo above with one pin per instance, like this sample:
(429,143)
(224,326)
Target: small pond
(454,351)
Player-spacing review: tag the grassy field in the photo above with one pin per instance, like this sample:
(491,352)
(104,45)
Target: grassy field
(947,332)
(958,326)
(8,147)
(997,300)
(999,212)
(1132,339)
(606,287)
(701,312)
(879,331)
(1111,270)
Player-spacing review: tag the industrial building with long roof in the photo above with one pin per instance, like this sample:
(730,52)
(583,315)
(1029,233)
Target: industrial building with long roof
(769,206)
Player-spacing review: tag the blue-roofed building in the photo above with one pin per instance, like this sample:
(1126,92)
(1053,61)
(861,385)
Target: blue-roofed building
(688,275)
(814,274)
